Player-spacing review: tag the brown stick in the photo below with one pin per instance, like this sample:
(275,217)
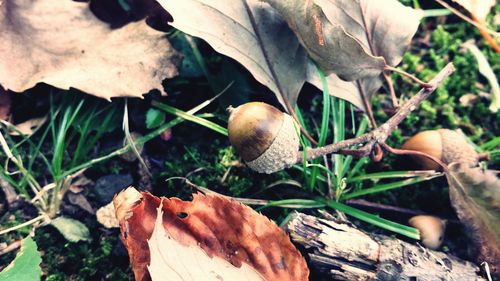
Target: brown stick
(380,134)
(346,253)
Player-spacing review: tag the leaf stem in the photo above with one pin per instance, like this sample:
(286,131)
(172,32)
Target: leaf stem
(408,75)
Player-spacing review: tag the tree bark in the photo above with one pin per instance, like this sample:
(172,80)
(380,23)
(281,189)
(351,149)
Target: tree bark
(346,253)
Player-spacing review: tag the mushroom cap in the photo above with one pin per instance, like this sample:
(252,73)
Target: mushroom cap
(431,230)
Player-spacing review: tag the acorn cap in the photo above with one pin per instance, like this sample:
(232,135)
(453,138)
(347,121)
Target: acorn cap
(457,149)
(431,230)
(283,151)
(253,127)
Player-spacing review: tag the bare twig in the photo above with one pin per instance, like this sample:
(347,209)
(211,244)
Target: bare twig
(408,75)
(11,247)
(380,135)
(394,99)
(366,104)
(467,19)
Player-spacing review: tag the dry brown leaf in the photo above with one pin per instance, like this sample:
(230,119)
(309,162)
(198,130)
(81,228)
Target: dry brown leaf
(26,128)
(475,196)
(226,232)
(63,44)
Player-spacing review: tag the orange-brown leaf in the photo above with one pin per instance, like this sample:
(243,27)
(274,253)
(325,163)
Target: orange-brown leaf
(223,228)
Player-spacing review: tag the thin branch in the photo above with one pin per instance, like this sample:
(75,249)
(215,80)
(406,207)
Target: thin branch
(11,247)
(467,19)
(366,104)
(392,92)
(408,75)
(413,152)
(363,204)
(381,134)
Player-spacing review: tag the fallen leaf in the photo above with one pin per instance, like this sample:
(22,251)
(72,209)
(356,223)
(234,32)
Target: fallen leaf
(328,43)
(26,265)
(479,8)
(475,196)
(383,31)
(208,231)
(71,229)
(486,70)
(252,34)
(81,201)
(172,259)
(27,128)
(106,216)
(63,44)
(468,100)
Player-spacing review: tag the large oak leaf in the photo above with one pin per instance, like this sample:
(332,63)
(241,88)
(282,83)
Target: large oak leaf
(63,44)
(475,196)
(209,236)
(354,39)
(250,32)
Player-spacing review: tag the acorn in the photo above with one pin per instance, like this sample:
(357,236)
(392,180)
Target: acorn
(431,230)
(445,145)
(265,138)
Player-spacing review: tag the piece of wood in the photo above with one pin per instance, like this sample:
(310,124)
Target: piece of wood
(346,253)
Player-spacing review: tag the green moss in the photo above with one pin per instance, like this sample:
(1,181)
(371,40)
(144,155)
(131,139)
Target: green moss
(94,260)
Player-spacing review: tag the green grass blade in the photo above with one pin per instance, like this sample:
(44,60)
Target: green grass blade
(375,220)
(190,117)
(384,187)
(294,204)
(393,174)
(325,120)
(491,144)
(436,13)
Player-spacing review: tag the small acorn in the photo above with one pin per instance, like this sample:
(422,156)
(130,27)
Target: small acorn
(446,145)
(431,230)
(266,138)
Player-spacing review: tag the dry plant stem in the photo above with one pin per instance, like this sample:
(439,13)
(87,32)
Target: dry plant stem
(380,134)
(363,204)
(411,76)
(11,247)
(485,34)
(27,223)
(467,19)
(392,92)
(366,104)
(302,129)
(412,152)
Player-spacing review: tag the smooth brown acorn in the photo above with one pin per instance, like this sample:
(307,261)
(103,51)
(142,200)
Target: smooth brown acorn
(445,145)
(266,138)
(431,230)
